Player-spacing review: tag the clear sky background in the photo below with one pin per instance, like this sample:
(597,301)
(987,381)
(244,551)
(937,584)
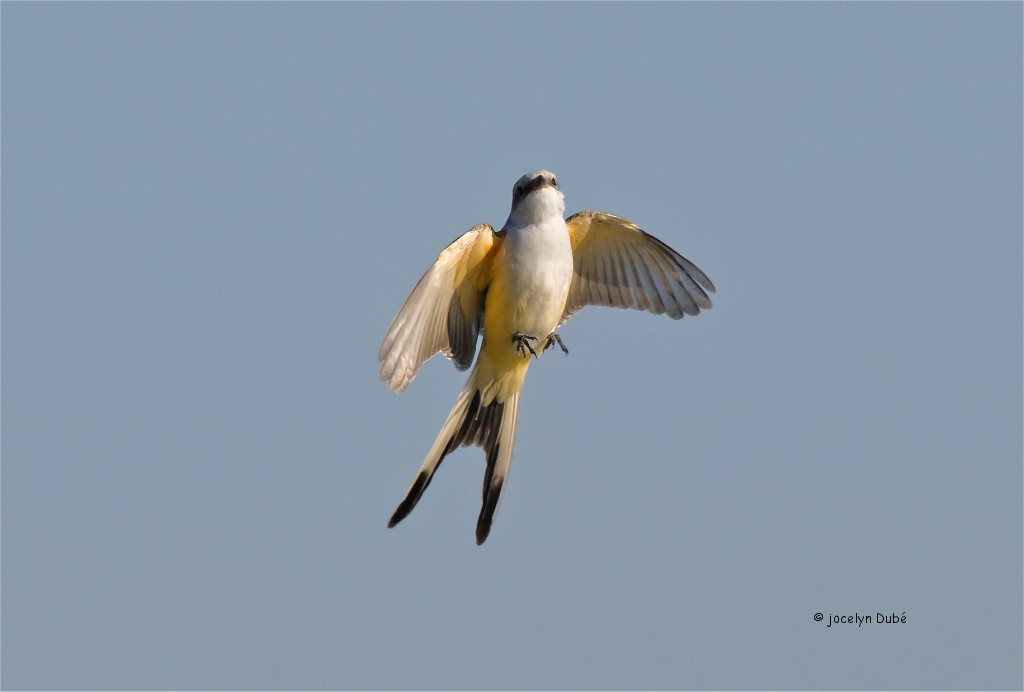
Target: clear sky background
(211,212)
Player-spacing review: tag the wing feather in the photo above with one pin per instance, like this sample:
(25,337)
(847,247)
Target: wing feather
(618,265)
(443,313)
(655,300)
(646,291)
(615,283)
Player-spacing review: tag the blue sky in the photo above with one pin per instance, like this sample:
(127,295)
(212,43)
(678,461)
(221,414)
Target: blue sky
(212,211)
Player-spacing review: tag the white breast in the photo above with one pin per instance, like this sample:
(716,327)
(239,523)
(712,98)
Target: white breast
(539,266)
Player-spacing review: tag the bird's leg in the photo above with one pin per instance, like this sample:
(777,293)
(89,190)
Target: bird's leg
(553,339)
(522,342)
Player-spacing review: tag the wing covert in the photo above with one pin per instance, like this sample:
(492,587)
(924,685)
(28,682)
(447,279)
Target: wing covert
(618,265)
(443,313)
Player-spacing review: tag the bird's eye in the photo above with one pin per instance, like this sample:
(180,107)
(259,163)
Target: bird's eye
(554,182)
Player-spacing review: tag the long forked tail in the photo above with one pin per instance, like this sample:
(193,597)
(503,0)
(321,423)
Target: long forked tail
(491,426)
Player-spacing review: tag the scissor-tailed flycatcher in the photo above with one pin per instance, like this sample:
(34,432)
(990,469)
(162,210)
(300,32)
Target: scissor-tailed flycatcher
(517,285)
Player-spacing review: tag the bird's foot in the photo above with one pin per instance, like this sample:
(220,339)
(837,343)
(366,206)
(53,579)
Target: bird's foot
(522,342)
(553,339)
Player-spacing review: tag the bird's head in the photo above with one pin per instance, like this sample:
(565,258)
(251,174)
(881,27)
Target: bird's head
(535,197)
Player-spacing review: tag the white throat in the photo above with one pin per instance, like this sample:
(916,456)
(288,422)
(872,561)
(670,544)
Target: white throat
(540,205)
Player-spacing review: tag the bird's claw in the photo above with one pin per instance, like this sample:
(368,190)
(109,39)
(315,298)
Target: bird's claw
(553,339)
(522,342)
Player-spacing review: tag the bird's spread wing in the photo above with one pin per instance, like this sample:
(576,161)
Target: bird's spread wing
(444,311)
(618,265)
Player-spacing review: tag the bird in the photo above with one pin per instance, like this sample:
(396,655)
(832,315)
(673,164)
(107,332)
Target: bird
(515,287)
